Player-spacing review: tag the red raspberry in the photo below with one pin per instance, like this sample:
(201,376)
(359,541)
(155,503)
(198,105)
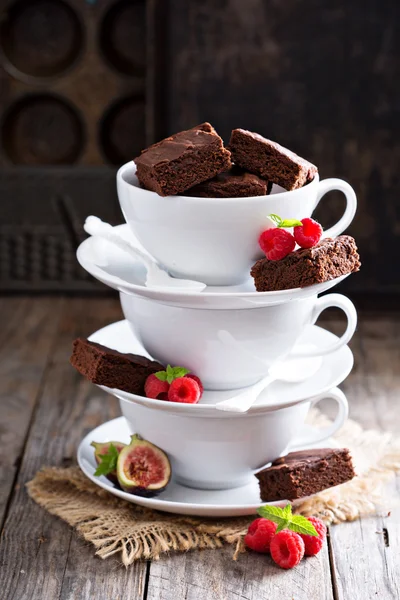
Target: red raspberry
(276,243)
(308,234)
(198,381)
(287,549)
(259,535)
(184,389)
(313,544)
(154,388)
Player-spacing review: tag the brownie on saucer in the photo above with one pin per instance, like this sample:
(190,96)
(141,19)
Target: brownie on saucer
(183,160)
(105,366)
(270,160)
(327,260)
(305,472)
(234,183)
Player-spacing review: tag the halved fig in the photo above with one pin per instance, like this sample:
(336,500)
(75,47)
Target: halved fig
(101,452)
(143,468)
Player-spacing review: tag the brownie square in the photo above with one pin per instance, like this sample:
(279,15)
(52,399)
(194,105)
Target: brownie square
(183,160)
(234,183)
(306,472)
(105,366)
(331,258)
(270,160)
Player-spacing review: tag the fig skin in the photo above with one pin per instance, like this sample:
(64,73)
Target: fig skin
(102,448)
(134,487)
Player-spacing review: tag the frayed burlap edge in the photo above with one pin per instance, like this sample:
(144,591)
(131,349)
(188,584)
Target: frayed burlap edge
(115,526)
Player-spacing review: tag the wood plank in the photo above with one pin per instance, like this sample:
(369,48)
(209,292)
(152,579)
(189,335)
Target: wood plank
(89,578)
(35,547)
(213,575)
(27,330)
(365,553)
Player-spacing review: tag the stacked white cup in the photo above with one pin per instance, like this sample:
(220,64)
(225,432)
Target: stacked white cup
(229,335)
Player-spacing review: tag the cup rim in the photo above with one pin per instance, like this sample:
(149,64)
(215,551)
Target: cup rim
(130,168)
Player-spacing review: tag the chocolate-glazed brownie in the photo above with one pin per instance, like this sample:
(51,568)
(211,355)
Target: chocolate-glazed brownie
(183,160)
(306,472)
(270,160)
(331,258)
(234,183)
(111,368)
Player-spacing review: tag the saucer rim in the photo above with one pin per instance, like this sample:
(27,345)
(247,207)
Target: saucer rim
(170,506)
(207,410)
(278,296)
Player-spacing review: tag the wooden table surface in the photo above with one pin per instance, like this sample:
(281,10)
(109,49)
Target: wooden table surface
(46,410)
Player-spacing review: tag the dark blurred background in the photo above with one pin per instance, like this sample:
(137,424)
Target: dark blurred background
(86,84)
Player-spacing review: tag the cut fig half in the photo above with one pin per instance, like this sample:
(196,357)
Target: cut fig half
(102,452)
(143,469)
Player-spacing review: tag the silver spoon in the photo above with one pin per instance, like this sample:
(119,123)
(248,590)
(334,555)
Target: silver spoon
(292,370)
(156,277)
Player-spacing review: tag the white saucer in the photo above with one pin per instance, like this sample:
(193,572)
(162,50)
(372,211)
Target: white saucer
(117,269)
(334,369)
(176,498)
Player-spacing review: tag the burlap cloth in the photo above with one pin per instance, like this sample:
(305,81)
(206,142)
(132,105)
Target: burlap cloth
(115,526)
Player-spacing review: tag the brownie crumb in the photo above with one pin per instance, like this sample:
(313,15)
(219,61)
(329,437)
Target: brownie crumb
(331,258)
(235,183)
(113,369)
(306,472)
(270,160)
(183,160)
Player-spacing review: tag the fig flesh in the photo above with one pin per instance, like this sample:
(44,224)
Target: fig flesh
(143,469)
(102,451)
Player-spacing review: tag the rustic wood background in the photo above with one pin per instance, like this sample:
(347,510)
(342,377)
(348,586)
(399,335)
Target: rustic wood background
(47,408)
(320,78)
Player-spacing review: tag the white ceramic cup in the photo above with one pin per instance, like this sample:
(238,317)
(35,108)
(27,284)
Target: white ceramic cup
(225,451)
(215,240)
(230,349)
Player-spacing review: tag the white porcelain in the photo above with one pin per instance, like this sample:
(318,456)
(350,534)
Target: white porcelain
(291,370)
(230,348)
(176,498)
(121,273)
(225,452)
(334,369)
(215,240)
(155,276)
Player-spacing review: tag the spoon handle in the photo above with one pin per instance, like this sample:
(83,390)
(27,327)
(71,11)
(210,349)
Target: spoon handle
(96,227)
(245,400)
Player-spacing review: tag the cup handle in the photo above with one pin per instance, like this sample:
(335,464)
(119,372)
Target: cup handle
(328,301)
(326,185)
(311,435)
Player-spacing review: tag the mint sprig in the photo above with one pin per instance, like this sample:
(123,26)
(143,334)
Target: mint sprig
(108,462)
(171,373)
(285,519)
(284,222)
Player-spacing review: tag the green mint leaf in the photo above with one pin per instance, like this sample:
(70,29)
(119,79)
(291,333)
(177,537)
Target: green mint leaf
(180,372)
(284,518)
(300,524)
(288,511)
(276,219)
(275,514)
(108,462)
(170,374)
(161,375)
(290,223)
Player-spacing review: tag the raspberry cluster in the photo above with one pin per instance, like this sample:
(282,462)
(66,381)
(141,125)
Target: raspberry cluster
(277,242)
(286,547)
(175,384)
